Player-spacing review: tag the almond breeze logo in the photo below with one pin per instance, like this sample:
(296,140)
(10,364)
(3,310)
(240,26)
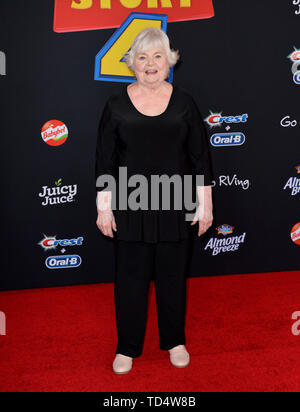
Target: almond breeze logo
(295,58)
(293,183)
(229,138)
(58,194)
(226,243)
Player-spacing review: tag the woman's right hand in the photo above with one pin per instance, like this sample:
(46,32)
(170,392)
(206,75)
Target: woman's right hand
(106,222)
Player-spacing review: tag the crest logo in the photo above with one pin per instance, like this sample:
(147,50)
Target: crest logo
(50,242)
(216,119)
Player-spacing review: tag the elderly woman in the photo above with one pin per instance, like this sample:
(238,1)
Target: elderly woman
(151,128)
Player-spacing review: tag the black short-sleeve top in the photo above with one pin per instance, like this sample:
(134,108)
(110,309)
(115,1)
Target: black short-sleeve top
(172,143)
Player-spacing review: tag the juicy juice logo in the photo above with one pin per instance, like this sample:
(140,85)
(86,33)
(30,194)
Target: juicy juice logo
(54,133)
(58,194)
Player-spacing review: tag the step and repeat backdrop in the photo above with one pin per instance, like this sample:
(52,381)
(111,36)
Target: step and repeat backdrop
(61,60)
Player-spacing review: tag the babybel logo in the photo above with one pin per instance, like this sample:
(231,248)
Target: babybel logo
(80,15)
(54,133)
(295,234)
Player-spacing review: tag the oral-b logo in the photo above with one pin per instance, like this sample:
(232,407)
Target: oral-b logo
(227,139)
(63,262)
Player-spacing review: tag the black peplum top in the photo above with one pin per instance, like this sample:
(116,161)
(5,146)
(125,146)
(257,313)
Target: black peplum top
(172,143)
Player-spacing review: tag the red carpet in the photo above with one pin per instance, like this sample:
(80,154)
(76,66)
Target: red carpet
(238,334)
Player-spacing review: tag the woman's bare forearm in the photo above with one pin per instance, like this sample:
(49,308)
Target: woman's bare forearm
(104,201)
(204,194)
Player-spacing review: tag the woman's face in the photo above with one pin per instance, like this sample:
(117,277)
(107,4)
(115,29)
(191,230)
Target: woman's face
(151,67)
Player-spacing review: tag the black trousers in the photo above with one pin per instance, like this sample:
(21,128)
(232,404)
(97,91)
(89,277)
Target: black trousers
(136,264)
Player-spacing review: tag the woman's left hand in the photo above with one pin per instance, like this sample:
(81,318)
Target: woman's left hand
(205,217)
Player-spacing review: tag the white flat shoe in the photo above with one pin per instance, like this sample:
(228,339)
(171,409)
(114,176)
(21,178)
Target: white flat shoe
(122,364)
(179,356)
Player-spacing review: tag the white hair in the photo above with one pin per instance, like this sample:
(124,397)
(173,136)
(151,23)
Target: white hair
(147,39)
